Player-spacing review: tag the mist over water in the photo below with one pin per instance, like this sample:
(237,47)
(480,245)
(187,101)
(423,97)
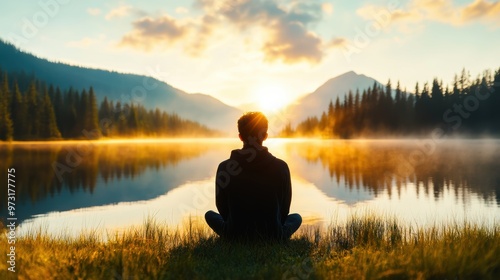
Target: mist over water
(100,185)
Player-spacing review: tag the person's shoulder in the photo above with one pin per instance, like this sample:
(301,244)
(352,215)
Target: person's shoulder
(224,162)
(281,163)
(281,167)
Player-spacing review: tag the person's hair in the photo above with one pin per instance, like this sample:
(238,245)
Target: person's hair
(253,124)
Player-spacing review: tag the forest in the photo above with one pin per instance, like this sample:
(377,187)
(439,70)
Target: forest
(469,107)
(31,110)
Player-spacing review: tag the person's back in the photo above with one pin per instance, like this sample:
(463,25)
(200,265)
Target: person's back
(253,189)
(256,201)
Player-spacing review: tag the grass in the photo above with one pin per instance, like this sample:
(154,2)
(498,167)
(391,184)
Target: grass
(365,247)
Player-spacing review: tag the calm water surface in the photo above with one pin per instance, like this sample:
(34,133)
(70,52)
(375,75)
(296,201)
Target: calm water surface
(114,185)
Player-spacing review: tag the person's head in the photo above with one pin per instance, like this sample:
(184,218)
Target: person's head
(252,127)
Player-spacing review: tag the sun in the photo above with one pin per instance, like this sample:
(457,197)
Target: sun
(271,97)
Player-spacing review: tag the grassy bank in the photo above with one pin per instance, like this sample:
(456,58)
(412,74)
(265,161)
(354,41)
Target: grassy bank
(362,248)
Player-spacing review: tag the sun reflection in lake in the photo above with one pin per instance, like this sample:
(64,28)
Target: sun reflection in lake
(121,183)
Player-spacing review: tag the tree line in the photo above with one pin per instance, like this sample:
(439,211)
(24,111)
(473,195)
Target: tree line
(468,107)
(31,110)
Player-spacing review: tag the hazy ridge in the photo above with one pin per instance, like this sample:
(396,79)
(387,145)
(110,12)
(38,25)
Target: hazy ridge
(148,91)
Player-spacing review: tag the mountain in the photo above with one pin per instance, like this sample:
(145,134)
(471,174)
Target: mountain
(315,103)
(150,92)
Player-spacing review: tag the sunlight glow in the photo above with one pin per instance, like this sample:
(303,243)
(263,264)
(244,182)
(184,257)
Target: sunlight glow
(271,97)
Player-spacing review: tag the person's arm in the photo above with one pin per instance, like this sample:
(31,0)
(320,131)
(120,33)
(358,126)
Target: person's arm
(221,192)
(287,193)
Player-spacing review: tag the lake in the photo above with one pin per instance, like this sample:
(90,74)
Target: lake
(70,187)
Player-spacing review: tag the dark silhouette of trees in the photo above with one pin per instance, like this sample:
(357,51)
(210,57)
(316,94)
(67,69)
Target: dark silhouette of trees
(31,110)
(470,107)
(6,125)
(19,114)
(33,123)
(48,124)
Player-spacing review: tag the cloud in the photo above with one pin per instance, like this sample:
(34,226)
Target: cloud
(121,11)
(444,11)
(202,32)
(482,10)
(400,15)
(94,11)
(283,31)
(438,10)
(338,42)
(389,14)
(150,32)
(290,42)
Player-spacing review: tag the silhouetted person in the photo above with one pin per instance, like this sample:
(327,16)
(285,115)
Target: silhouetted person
(253,189)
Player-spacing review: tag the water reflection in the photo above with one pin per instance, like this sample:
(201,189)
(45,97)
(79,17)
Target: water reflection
(93,174)
(377,167)
(117,184)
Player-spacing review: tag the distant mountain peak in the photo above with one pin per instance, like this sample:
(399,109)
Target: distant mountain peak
(349,73)
(317,102)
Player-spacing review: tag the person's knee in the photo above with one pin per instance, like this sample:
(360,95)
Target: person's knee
(209,215)
(297,219)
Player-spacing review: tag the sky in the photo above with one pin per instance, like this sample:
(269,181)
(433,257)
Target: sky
(244,51)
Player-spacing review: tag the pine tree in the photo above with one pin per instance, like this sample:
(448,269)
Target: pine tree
(374,108)
(58,104)
(388,108)
(495,92)
(69,121)
(485,114)
(3,132)
(347,121)
(6,130)
(132,121)
(337,117)
(48,124)
(120,118)
(19,115)
(157,120)
(287,131)
(464,81)
(323,123)
(105,111)
(399,107)
(92,114)
(82,107)
(33,123)
(331,109)
(106,117)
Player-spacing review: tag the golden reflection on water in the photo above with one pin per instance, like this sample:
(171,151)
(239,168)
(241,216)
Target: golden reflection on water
(80,163)
(378,165)
(114,184)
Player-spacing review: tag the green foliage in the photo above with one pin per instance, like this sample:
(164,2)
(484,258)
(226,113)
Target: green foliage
(471,107)
(45,113)
(361,248)
(19,114)
(6,125)
(48,124)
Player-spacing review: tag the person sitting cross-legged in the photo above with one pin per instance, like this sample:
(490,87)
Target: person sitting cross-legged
(253,189)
